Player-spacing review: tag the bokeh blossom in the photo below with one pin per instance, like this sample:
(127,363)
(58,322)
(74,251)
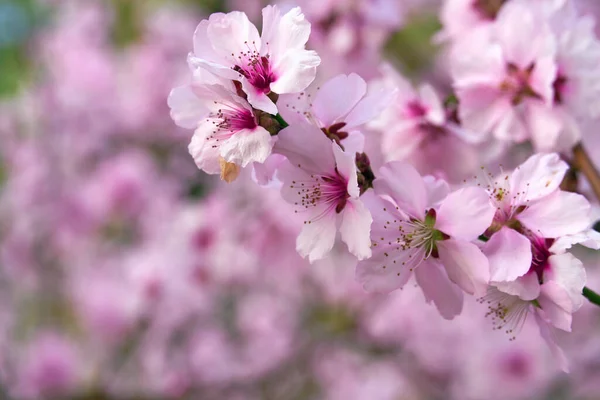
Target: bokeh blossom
(351,248)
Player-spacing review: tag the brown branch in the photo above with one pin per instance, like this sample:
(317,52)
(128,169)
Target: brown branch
(582,161)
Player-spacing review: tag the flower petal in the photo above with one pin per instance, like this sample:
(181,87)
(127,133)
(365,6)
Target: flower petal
(537,177)
(402,183)
(465,264)
(337,97)
(545,125)
(258,98)
(247,146)
(346,166)
(559,214)
(304,144)
(550,339)
(317,236)
(355,228)
(447,297)
(370,106)
(465,214)
(526,287)
(436,113)
(589,238)
(295,71)
(281,33)
(437,189)
(568,272)
(509,255)
(186,109)
(231,33)
(557,306)
(377,274)
(205,154)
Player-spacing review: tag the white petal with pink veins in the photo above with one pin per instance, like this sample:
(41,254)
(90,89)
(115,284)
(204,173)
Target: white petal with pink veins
(509,255)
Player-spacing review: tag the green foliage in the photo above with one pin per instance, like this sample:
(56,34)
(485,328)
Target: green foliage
(411,46)
(18,21)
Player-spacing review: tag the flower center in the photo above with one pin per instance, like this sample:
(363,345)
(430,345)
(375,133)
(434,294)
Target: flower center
(517,84)
(540,252)
(228,121)
(488,9)
(329,192)
(414,109)
(257,69)
(507,312)
(559,86)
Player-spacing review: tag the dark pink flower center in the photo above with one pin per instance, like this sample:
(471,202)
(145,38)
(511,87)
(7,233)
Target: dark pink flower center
(230,120)
(488,9)
(236,120)
(257,69)
(540,252)
(559,86)
(328,191)
(517,83)
(414,109)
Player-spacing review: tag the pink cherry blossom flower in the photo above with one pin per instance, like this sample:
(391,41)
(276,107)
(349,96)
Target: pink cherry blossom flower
(529,204)
(411,233)
(52,366)
(320,179)
(504,83)
(462,17)
(229,46)
(417,128)
(551,290)
(339,106)
(226,127)
(577,82)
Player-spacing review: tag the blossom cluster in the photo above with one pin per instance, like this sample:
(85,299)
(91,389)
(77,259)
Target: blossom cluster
(504,238)
(362,229)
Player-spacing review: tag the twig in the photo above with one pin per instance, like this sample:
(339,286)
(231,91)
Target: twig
(582,161)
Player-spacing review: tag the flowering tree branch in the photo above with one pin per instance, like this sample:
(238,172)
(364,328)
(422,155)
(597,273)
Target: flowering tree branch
(582,162)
